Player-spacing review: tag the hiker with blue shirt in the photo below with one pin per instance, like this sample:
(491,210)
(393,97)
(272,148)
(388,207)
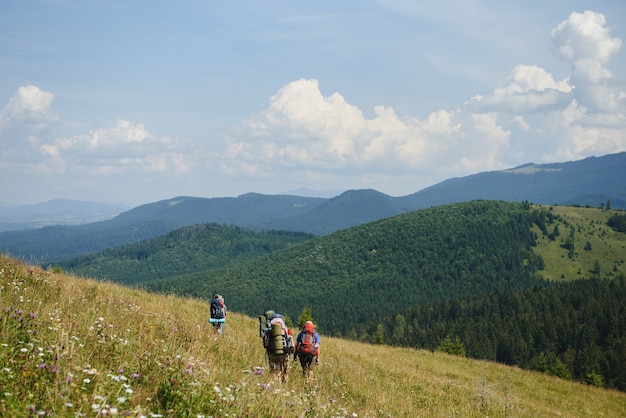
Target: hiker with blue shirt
(218,313)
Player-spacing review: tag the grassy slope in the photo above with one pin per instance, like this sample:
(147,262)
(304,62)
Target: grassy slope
(608,247)
(73,345)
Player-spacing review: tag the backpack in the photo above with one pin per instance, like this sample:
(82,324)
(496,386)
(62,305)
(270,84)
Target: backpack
(217,311)
(307,344)
(278,340)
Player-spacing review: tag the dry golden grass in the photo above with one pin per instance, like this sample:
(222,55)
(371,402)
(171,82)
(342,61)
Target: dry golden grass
(73,346)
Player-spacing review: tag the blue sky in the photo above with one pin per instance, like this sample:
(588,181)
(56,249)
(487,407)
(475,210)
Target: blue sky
(136,101)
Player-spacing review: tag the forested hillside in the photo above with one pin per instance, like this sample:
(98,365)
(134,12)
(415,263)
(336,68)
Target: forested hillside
(466,278)
(362,273)
(574,330)
(186,250)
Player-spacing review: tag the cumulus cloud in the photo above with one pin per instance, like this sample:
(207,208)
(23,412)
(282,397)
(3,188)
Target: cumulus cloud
(301,127)
(121,147)
(586,43)
(531,116)
(312,137)
(30,105)
(26,117)
(27,124)
(530,88)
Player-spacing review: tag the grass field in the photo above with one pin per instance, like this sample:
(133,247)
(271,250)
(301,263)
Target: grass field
(76,347)
(598,249)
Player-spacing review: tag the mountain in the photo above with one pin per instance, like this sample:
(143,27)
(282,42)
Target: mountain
(380,267)
(189,249)
(56,243)
(470,271)
(594,181)
(351,208)
(56,212)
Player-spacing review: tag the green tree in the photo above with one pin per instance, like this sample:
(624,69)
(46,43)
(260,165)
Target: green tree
(594,379)
(399,329)
(452,346)
(379,338)
(596,267)
(305,315)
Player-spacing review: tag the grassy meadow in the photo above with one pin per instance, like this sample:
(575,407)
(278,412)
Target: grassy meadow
(598,249)
(78,347)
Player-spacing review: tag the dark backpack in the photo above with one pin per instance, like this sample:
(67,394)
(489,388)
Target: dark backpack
(307,344)
(217,311)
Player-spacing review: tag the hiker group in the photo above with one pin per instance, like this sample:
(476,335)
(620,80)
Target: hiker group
(279,345)
(277,340)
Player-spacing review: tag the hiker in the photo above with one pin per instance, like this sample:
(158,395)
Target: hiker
(307,349)
(277,341)
(218,313)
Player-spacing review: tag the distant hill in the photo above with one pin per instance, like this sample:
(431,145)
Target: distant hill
(57,243)
(189,249)
(594,181)
(56,212)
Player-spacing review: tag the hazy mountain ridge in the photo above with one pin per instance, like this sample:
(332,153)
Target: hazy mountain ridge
(555,183)
(593,181)
(56,212)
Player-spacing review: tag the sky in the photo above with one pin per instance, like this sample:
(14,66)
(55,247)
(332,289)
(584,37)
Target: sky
(132,102)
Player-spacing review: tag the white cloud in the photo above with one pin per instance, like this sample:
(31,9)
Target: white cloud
(586,43)
(124,148)
(26,117)
(304,137)
(303,129)
(529,88)
(29,105)
(532,114)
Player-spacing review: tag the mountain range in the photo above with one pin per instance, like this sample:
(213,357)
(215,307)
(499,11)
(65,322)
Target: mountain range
(56,212)
(594,181)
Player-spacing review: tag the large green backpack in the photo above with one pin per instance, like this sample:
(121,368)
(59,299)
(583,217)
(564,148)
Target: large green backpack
(278,340)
